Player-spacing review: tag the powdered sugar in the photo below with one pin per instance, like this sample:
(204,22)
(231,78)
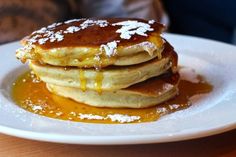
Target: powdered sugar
(52,26)
(110,48)
(148,46)
(151,21)
(49,33)
(113,117)
(174,106)
(161,110)
(73,20)
(130,28)
(127,30)
(72,29)
(58,36)
(123,118)
(34,38)
(40,31)
(46,34)
(100,23)
(21,52)
(167,87)
(90,116)
(85,24)
(42,40)
(36,107)
(47,29)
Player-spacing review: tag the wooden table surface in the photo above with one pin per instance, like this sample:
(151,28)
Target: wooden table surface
(222,145)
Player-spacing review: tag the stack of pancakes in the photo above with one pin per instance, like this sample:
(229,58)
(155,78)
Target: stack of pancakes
(104,63)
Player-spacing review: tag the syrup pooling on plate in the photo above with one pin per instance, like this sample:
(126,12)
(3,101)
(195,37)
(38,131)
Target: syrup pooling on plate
(32,95)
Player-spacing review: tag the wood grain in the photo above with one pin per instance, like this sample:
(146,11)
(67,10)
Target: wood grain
(222,145)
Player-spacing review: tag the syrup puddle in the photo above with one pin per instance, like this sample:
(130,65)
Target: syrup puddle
(32,95)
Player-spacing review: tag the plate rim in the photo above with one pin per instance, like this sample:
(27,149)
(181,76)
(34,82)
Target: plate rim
(119,140)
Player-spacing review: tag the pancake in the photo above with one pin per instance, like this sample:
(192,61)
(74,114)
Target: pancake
(148,93)
(90,43)
(116,62)
(112,78)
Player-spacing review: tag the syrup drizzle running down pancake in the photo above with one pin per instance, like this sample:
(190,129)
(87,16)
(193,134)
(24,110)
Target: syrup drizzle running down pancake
(109,78)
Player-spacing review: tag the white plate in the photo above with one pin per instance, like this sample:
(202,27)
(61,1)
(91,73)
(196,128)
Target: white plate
(211,114)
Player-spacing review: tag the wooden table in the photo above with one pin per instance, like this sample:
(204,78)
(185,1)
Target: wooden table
(222,145)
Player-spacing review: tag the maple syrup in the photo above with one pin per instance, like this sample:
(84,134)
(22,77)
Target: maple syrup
(32,95)
(83,81)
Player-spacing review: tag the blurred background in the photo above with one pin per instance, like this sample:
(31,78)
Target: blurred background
(213,19)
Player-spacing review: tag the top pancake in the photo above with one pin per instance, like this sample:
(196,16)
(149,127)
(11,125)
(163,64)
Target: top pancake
(94,43)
